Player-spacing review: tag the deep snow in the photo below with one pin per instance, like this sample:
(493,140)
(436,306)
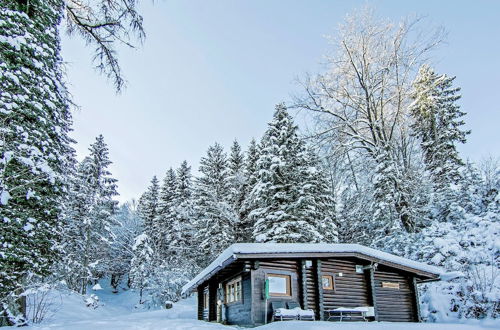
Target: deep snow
(118,312)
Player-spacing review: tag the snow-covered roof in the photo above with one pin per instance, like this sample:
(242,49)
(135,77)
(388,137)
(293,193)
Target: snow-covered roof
(232,252)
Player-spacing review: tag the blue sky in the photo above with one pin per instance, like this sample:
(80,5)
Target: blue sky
(213,71)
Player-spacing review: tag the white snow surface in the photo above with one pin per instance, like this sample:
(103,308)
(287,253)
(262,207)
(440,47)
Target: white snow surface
(118,312)
(282,248)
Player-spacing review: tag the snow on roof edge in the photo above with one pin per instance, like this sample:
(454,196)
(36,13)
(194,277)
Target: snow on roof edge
(255,248)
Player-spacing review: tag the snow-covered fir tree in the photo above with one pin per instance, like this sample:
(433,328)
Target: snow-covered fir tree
(245,227)
(215,217)
(316,197)
(181,231)
(147,208)
(88,236)
(237,179)
(438,124)
(128,225)
(276,199)
(35,152)
(163,219)
(142,265)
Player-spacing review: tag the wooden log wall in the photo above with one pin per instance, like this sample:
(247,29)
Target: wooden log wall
(240,312)
(350,290)
(268,266)
(394,305)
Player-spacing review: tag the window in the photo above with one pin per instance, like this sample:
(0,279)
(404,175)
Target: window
(205,299)
(233,290)
(279,285)
(327,282)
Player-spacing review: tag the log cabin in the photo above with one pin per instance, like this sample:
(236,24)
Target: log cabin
(240,286)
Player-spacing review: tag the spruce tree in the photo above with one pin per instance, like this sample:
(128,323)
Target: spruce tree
(35,152)
(215,218)
(127,227)
(163,218)
(317,198)
(245,228)
(438,124)
(147,208)
(276,198)
(142,265)
(237,178)
(88,235)
(181,233)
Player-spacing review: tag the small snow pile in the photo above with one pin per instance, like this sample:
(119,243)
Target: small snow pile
(97,287)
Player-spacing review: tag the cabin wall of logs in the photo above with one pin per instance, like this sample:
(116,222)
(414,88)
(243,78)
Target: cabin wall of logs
(355,282)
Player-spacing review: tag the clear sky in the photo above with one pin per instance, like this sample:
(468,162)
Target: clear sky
(212,70)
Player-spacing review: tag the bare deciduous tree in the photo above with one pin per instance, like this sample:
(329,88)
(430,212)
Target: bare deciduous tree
(360,104)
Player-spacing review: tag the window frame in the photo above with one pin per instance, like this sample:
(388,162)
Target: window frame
(288,290)
(332,282)
(233,291)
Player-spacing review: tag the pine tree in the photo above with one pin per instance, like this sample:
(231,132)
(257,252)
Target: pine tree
(35,152)
(142,266)
(215,218)
(127,227)
(88,235)
(148,208)
(163,221)
(237,178)
(317,198)
(245,230)
(276,197)
(437,124)
(181,234)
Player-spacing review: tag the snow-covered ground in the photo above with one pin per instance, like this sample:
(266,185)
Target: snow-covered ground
(117,312)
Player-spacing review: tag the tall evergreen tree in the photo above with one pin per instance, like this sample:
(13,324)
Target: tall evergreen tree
(245,228)
(148,208)
(92,207)
(127,227)
(35,152)
(181,234)
(142,265)
(317,198)
(215,218)
(438,124)
(237,178)
(276,198)
(163,218)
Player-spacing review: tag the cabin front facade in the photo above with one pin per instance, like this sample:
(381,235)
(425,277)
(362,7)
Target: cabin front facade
(319,277)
